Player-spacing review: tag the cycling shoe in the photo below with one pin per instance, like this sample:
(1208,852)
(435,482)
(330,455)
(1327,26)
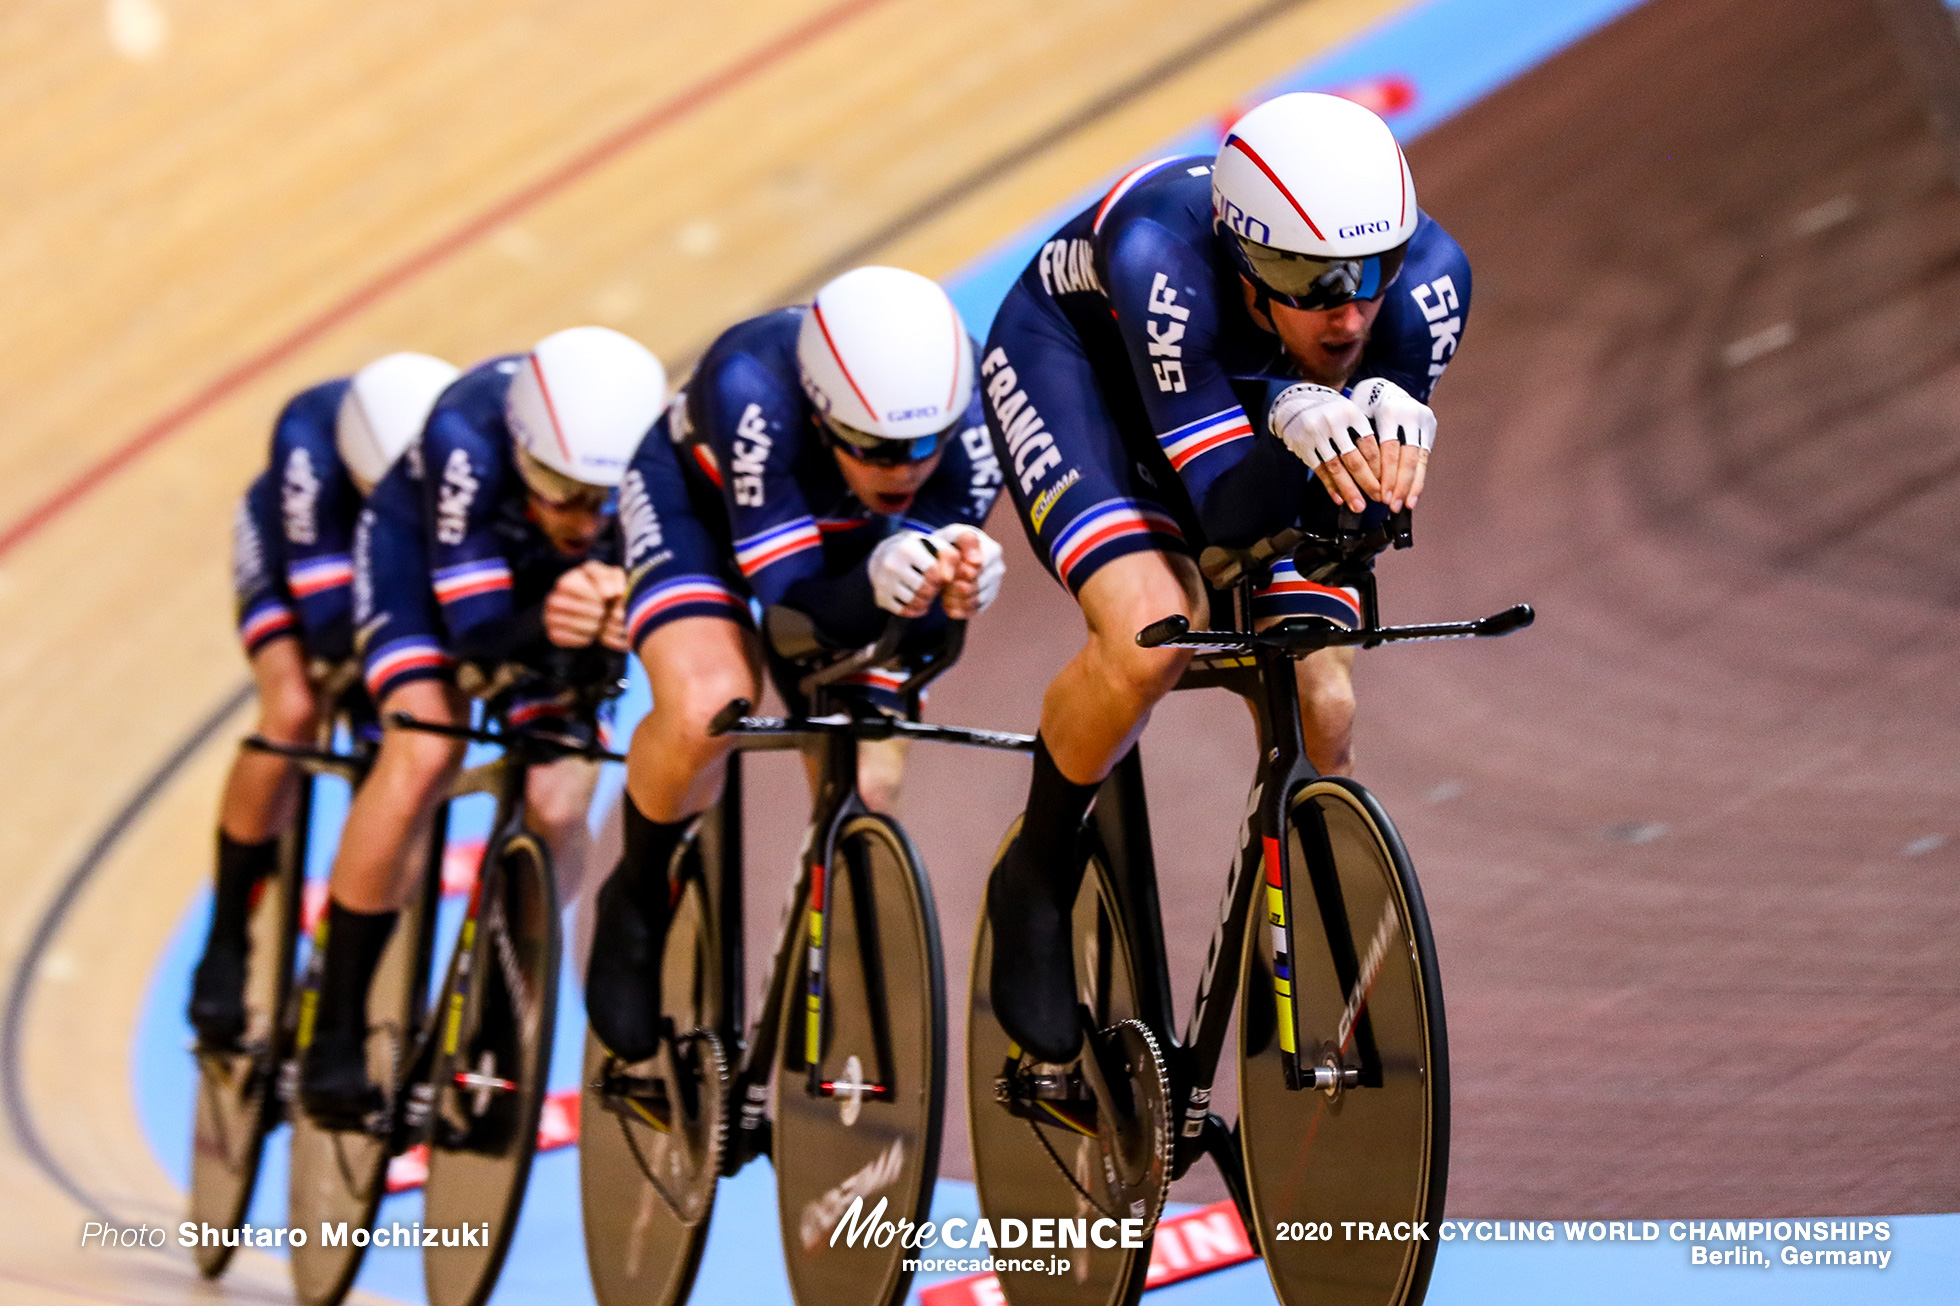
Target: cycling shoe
(334,1087)
(217,1009)
(622,980)
(1032,982)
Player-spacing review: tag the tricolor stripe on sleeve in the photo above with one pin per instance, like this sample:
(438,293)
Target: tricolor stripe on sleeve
(1195,439)
(1109,522)
(671,597)
(403,657)
(262,621)
(315,575)
(466,580)
(758,551)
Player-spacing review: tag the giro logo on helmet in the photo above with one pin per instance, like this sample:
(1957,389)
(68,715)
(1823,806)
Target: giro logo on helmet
(907,414)
(1244,223)
(1365,229)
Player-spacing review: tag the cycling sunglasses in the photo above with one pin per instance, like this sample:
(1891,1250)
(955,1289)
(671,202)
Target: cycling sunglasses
(1301,281)
(559,491)
(876,449)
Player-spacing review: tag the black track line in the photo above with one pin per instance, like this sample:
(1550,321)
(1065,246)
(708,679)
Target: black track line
(20,984)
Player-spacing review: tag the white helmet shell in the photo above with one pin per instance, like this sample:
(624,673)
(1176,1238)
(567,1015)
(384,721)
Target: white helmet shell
(582,399)
(884,351)
(383,411)
(1315,175)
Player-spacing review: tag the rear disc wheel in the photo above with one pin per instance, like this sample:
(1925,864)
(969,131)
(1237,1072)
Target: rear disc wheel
(339,1176)
(237,1103)
(1371,1143)
(1052,1166)
(652,1133)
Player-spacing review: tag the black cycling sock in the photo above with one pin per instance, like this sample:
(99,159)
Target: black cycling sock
(650,847)
(622,979)
(240,867)
(1056,806)
(217,1006)
(1030,904)
(355,941)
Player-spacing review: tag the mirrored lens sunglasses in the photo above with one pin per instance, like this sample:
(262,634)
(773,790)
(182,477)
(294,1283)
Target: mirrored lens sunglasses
(1300,281)
(876,449)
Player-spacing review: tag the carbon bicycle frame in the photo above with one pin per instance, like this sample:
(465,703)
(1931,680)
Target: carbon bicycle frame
(1264,678)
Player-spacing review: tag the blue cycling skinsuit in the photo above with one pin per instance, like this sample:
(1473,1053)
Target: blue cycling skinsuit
(291,538)
(735,496)
(448,565)
(1127,385)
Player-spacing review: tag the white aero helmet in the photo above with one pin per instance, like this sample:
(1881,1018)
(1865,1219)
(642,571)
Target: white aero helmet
(580,402)
(383,411)
(1314,200)
(885,358)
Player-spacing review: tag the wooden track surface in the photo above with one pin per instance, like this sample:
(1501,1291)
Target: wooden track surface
(282,192)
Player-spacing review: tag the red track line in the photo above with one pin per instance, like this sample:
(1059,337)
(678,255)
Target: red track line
(412,267)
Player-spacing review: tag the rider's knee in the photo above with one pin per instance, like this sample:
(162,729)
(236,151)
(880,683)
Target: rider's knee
(557,803)
(1128,595)
(881,773)
(286,710)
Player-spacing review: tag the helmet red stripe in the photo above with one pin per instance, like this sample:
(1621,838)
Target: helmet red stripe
(817,309)
(1273,177)
(1402,172)
(551,410)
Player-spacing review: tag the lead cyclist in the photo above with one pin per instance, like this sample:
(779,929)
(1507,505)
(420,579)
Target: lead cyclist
(1175,368)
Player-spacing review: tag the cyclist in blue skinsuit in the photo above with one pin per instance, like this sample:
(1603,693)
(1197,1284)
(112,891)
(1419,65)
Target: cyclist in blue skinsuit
(829,458)
(493,540)
(1175,369)
(292,575)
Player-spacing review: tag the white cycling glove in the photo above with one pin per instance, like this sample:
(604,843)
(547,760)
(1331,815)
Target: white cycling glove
(898,568)
(1397,414)
(993,561)
(1317,423)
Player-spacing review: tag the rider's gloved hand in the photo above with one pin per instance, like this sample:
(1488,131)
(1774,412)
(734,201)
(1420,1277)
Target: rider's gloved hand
(908,569)
(587,606)
(982,563)
(1329,433)
(1406,428)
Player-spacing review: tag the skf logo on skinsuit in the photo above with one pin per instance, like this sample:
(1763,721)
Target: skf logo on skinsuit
(637,518)
(1443,328)
(1044,503)
(983,487)
(1242,222)
(1164,343)
(363,567)
(1068,267)
(749,450)
(1363,229)
(1032,449)
(299,495)
(247,555)
(454,497)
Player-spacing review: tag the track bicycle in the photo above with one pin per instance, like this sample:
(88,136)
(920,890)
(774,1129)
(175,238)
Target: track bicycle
(464,1075)
(1343,1072)
(851,1030)
(238,1097)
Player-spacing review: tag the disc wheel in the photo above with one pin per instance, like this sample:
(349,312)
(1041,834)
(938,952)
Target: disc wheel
(491,1064)
(340,1176)
(886,1027)
(237,1098)
(652,1133)
(1372,1142)
(1052,1166)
